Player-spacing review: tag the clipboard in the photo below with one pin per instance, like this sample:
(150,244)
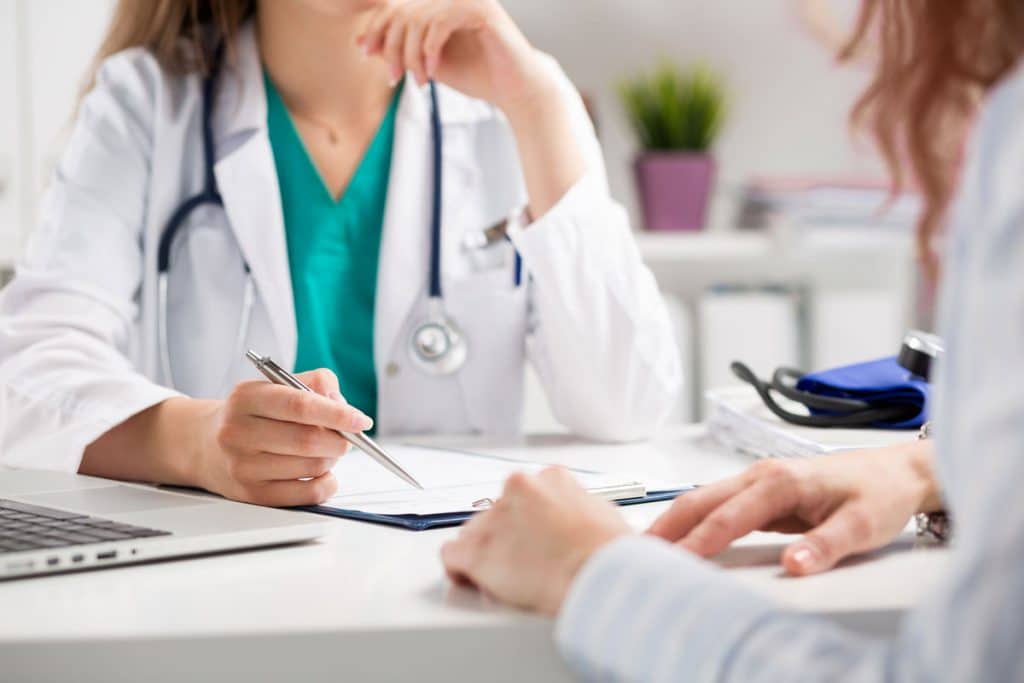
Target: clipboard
(456,484)
(441,520)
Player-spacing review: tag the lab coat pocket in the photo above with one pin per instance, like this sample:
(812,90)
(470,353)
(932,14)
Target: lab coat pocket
(493,316)
(490,268)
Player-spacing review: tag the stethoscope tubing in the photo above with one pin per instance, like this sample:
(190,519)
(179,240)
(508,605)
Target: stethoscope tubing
(846,412)
(434,284)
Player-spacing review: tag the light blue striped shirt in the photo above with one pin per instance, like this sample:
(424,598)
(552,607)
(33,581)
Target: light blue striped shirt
(641,610)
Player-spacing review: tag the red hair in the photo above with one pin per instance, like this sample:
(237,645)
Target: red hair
(936,58)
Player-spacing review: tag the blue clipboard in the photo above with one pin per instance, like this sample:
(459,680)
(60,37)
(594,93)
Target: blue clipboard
(424,522)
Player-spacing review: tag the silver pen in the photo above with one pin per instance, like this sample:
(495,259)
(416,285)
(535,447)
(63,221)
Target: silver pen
(278,375)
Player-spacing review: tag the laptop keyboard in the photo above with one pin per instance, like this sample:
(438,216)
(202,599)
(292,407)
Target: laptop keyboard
(32,527)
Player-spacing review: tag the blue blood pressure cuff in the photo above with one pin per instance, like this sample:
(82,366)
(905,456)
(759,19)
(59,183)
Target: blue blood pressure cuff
(880,384)
(879,394)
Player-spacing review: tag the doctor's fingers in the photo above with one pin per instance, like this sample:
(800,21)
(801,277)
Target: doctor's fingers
(323,382)
(288,493)
(429,26)
(391,50)
(276,402)
(751,509)
(412,35)
(261,467)
(412,47)
(263,435)
(371,40)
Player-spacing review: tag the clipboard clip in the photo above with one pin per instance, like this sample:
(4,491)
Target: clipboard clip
(482,504)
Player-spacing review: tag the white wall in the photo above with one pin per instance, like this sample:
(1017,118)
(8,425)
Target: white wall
(10,145)
(789,98)
(45,47)
(63,36)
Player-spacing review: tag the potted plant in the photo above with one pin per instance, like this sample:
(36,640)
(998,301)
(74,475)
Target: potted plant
(676,115)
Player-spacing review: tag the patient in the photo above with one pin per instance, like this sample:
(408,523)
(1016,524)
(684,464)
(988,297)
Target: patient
(635,607)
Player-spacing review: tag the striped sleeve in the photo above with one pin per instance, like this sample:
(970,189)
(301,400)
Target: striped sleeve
(642,610)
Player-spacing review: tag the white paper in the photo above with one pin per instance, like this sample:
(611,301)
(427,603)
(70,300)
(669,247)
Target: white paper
(452,480)
(739,421)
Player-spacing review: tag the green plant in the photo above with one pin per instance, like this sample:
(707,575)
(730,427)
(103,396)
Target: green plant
(675,109)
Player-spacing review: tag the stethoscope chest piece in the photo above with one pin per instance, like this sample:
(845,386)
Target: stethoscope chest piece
(438,346)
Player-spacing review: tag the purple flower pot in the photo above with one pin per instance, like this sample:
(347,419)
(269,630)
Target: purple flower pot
(674,189)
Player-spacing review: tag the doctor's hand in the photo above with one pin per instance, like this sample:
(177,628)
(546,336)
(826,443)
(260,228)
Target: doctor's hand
(843,504)
(274,445)
(475,47)
(527,549)
(471,45)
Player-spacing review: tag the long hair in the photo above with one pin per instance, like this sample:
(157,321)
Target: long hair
(936,59)
(181,34)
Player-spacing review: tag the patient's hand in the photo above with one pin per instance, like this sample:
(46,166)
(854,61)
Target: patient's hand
(843,504)
(528,548)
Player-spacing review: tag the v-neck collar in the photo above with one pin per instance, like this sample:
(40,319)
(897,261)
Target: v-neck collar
(359,176)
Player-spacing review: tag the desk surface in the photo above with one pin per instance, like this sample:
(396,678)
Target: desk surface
(374,599)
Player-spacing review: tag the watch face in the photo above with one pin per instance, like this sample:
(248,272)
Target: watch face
(934,525)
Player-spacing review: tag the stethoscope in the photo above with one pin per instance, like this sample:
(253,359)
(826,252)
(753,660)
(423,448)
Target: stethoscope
(437,345)
(918,353)
(209,196)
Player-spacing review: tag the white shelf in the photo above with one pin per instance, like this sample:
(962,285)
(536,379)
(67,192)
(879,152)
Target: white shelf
(859,258)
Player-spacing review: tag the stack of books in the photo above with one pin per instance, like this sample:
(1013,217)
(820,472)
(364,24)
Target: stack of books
(824,202)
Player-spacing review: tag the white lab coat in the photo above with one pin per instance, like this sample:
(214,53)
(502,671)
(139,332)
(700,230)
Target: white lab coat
(78,324)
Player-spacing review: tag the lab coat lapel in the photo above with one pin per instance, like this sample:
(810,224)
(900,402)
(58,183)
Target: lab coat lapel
(248,185)
(247,179)
(403,266)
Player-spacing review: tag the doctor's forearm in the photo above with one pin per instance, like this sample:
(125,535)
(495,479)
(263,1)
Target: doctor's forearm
(551,159)
(160,444)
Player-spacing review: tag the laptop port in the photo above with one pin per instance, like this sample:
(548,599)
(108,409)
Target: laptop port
(107,555)
(77,557)
(20,565)
(52,561)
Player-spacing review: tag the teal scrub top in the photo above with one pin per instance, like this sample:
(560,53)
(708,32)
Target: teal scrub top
(333,251)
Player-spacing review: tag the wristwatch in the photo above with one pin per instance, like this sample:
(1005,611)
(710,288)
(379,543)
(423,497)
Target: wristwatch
(937,524)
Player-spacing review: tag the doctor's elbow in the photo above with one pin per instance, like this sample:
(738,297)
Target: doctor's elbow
(628,415)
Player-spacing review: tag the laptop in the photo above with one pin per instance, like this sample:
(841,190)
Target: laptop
(56,522)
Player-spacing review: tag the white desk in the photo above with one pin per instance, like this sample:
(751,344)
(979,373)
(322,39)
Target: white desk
(371,603)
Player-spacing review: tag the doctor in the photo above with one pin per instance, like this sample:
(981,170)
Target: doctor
(404,200)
